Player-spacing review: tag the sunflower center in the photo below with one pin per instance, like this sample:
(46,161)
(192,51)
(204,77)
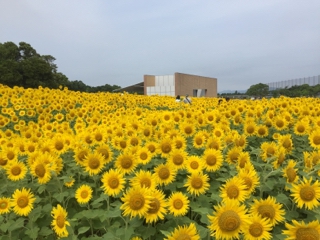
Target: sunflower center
(270,151)
(151,148)
(113,182)
(179,144)
(10,155)
(59,145)
(196,183)
(126,162)
(16,170)
(307,234)
(286,143)
(210,118)
(3,161)
(94,163)
(177,159)
(300,128)
(98,136)
(250,129)
(40,170)
(194,165)
(143,156)
(146,132)
(4,205)
(241,142)
(136,201)
(60,221)
(164,173)
(247,182)
(234,157)
(229,221)
(316,140)
(307,193)
(267,211)
(261,131)
(123,144)
(177,204)
(291,173)
(88,140)
(104,153)
(82,155)
(145,183)
(279,123)
(233,191)
(134,141)
(166,147)
(211,160)
(188,130)
(154,206)
(199,141)
(84,194)
(256,229)
(183,236)
(23,201)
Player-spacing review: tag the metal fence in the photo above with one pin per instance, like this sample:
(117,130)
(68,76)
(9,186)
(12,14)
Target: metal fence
(312,81)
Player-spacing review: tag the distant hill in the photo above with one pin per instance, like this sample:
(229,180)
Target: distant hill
(232,91)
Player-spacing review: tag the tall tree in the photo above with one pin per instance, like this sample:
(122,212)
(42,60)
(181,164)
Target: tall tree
(259,89)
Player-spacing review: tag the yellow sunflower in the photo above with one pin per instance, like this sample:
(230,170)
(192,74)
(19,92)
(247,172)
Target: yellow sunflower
(105,151)
(197,183)
(199,140)
(94,163)
(290,172)
(268,208)
(302,230)
(243,159)
(158,207)
(83,194)
(136,202)
(262,131)
(194,164)
(59,222)
(179,142)
(70,182)
(286,142)
(152,147)
(178,204)
(250,128)
(314,138)
(306,194)
(213,160)
(126,162)
(22,201)
(258,229)
(301,127)
(187,129)
(177,159)
(16,170)
(164,174)
(113,182)
(241,141)
(269,149)
(233,155)
(250,177)
(229,219)
(214,143)
(41,169)
(184,232)
(144,155)
(143,178)
(165,147)
(280,157)
(234,188)
(279,123)
(5,205)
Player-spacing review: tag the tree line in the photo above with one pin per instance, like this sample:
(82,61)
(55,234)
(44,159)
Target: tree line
(22,66)
(305,90)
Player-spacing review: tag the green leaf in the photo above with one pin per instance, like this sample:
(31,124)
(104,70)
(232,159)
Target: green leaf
(45,231)
(113,213)
(83,230)
(17,224)
(4,226)
(33,232)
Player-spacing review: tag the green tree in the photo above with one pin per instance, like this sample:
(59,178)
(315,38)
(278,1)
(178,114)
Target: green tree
(259,89)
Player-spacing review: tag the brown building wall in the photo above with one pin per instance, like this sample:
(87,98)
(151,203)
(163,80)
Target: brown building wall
(186,83)
(149,81)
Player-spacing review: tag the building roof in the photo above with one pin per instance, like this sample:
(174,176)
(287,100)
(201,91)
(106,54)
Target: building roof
(138,87)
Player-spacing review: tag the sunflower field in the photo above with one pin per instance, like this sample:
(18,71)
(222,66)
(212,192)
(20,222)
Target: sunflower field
(122,166)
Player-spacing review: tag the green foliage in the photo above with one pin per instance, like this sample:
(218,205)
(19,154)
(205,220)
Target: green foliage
(304,90)
(259,89)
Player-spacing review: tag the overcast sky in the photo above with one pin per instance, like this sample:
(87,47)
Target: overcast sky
(116,42)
